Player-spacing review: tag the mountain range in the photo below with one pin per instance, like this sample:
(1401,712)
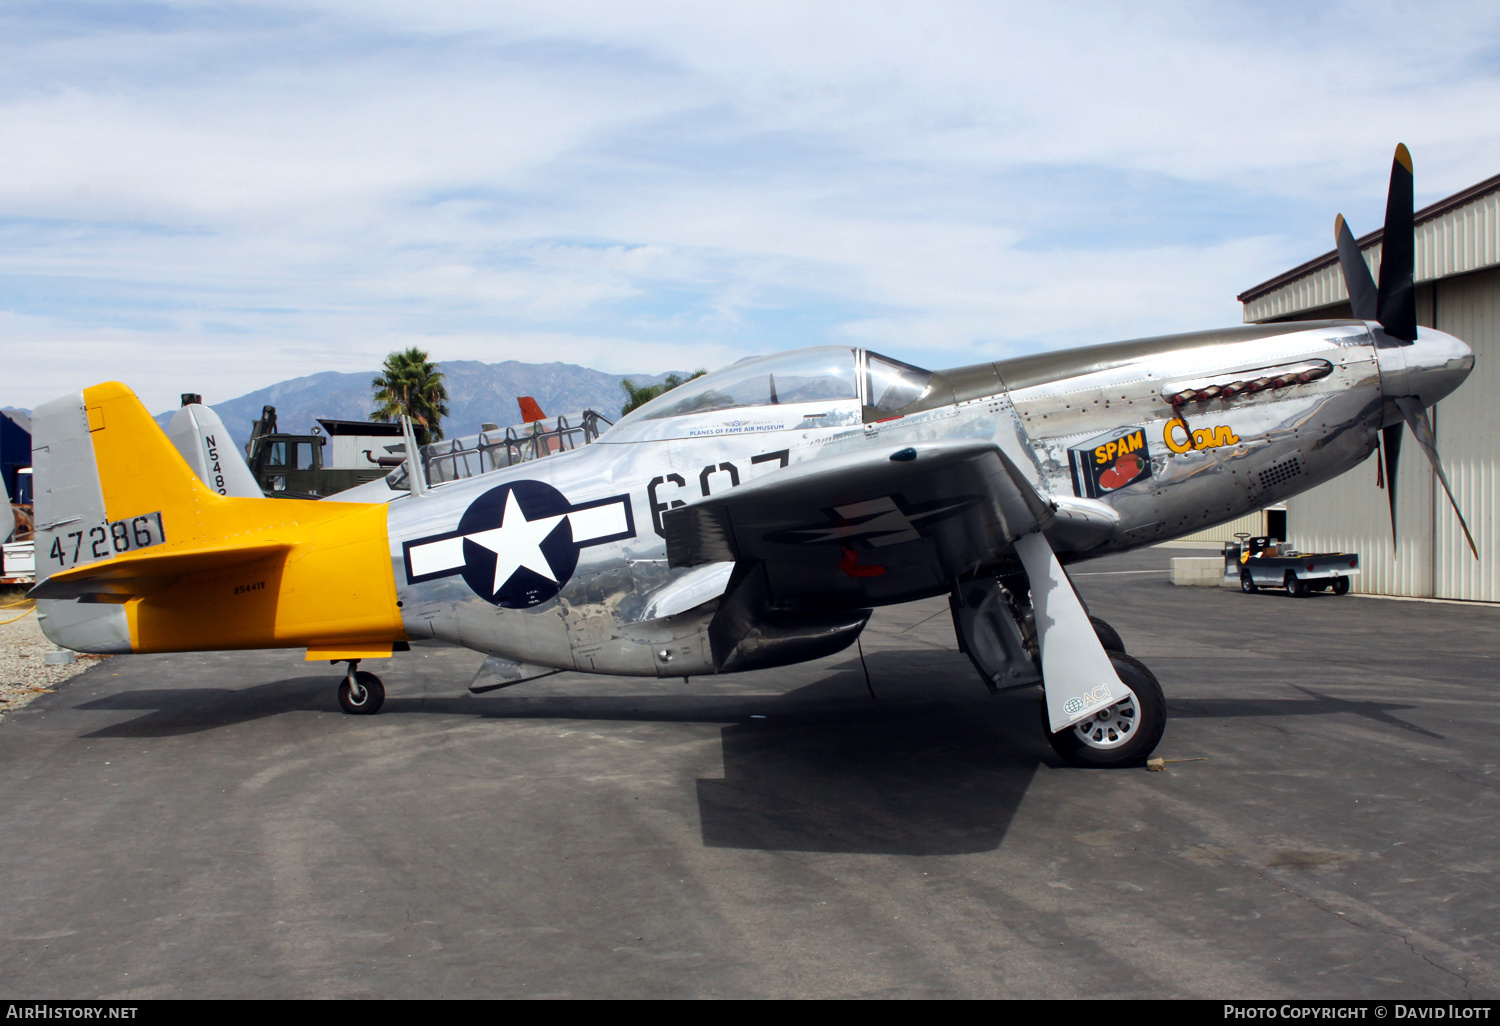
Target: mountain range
(477,393)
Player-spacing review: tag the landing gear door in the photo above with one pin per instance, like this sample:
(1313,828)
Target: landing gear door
(989,635)
(1080,679)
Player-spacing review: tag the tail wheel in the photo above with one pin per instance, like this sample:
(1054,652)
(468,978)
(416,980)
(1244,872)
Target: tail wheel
(364,698)
(1125,733)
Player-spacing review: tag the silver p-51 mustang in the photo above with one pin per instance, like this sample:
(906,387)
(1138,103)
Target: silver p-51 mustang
(754,517)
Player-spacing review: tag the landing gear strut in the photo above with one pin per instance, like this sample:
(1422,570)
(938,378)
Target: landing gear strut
(1100,706)
(361,692)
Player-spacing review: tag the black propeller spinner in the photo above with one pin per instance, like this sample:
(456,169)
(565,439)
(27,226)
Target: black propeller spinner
(1394,305)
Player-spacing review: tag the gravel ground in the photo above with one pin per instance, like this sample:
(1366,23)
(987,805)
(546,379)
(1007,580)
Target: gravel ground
(23,675)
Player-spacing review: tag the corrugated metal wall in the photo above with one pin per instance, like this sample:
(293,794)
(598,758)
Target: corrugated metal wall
(1468,432)
(1457,242)
(1462,240)
(1323,287)
(1458,292)
(1350,514)
(1253,524)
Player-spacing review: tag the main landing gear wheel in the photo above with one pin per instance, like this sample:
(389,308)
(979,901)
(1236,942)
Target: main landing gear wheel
(1125,733)
(1108,636)
(361,694)
(1247,583)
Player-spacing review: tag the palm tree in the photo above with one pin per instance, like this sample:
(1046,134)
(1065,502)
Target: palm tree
(640,395)
(410,385)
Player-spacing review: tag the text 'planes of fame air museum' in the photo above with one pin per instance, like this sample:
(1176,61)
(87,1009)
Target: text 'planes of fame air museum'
(1458,291)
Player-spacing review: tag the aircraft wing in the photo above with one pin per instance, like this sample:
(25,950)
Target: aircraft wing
(865,527)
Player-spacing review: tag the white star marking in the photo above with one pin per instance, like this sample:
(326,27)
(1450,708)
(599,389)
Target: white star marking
(521,538)
(517,542)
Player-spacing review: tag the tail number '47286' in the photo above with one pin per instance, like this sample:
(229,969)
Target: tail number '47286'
(88,544)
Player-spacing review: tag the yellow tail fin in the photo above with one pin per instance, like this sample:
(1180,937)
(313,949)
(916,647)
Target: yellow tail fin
(134,553)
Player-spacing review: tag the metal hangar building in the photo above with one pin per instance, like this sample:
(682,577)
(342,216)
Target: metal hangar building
(1458,291)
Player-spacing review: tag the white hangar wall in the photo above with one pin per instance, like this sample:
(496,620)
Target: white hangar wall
(1251,524)
(1468,434)
(1458,291)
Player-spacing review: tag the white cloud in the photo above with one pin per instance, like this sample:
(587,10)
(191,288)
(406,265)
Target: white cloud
(211,197)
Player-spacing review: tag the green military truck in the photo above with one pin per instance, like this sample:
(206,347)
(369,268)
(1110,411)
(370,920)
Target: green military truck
(338,455)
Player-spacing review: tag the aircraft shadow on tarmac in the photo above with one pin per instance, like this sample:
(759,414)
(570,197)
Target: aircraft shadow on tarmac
(930,768)
(940,773)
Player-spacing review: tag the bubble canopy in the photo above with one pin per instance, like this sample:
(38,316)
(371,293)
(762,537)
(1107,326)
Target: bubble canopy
(816,375)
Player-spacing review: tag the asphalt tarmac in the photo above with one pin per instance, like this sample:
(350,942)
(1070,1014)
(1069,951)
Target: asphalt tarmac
(214,826)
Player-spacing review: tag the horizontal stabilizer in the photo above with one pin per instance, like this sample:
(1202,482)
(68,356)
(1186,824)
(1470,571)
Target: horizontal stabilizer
(132,575)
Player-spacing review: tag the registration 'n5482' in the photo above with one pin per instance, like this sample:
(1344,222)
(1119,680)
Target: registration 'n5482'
(118,536)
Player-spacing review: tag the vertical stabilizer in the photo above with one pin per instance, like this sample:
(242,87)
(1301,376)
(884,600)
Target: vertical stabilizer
(531,410)
(201,438)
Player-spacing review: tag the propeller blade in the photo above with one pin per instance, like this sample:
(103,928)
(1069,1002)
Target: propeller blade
(1421,427)
(1362,295)
(1390,443)
(1397,298)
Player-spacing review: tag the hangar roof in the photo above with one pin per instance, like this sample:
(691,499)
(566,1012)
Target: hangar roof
(1454,236)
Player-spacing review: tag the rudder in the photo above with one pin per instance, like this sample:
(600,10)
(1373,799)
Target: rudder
(72,516)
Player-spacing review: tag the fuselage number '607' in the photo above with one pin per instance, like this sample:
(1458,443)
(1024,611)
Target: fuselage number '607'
(88,544)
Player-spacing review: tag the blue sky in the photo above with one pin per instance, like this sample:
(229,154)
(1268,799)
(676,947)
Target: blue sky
(212,197)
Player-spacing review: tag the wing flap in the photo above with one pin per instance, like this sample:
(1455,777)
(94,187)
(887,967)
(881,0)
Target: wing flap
(699,534)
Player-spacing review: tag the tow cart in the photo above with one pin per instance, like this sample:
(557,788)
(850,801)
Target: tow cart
(1264,563)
